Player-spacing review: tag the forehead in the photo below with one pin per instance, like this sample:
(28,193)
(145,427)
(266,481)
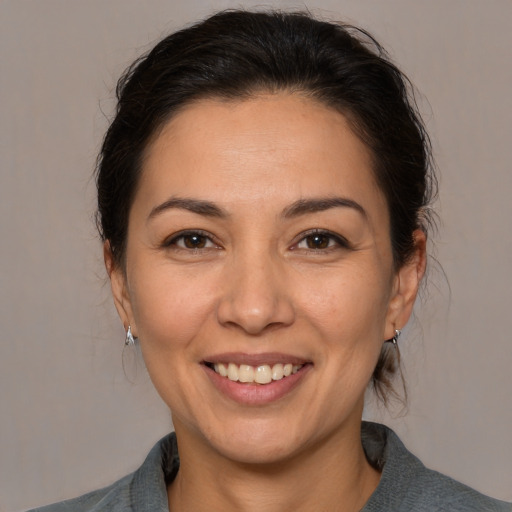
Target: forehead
(275,148)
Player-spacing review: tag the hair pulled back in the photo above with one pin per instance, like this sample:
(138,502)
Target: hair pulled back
(236,54)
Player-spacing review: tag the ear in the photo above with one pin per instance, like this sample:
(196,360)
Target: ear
(119,289)
(406,285)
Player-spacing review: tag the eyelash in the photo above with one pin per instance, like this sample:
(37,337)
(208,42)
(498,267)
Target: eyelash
(334,241)
(339,241)
(174,240)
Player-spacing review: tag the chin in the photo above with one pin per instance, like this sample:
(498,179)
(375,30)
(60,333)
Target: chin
(258,442)
(256,452)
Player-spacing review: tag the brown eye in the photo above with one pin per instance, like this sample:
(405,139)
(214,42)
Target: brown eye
(191,240)
(321,241)
(318,241)
(195,241)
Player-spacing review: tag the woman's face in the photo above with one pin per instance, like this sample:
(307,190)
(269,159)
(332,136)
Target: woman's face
(258,244)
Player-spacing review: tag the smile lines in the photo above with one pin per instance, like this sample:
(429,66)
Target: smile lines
(262,374)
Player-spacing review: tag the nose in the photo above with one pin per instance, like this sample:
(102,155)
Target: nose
(256,297)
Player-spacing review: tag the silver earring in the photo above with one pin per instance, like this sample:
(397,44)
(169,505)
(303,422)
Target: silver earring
(394,339)
(130,340)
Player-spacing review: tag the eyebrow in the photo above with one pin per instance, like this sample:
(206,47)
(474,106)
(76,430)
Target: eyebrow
(199,206)
(296,209)
(313,205)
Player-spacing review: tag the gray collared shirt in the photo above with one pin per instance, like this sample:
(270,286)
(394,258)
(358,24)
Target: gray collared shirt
(406,485)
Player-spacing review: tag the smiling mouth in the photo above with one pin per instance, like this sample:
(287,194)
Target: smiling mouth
(261,374)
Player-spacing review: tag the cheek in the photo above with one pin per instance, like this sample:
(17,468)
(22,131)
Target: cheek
(171,313)
(169,307)
(347,304)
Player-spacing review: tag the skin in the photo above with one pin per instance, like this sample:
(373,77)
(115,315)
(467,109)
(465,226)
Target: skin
(261,283)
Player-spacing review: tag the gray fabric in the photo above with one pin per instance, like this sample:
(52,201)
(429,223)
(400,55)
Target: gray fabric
(405,485)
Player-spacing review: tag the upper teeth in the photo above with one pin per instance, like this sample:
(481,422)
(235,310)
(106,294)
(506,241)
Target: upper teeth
(262,374)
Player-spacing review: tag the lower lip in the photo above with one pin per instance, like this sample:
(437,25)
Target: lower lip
(257,394)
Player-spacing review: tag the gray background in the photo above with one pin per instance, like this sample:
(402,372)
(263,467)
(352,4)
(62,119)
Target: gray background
(71,418)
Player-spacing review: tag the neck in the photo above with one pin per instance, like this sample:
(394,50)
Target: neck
(334,475)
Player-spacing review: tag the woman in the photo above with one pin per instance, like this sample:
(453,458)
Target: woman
(263,197)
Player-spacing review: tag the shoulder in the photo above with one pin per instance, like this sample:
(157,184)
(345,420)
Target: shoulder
(432,491)
(407,485)
(143,490)
(113,497)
